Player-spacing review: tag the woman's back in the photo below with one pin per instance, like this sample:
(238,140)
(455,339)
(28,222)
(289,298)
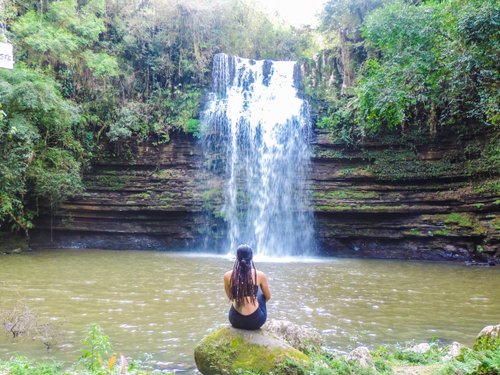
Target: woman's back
(248,291)
(249,304)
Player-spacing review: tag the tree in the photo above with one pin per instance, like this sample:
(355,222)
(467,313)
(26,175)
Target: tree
(432,64)
(38,150)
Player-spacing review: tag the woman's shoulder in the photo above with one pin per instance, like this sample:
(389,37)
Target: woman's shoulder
(261,275)
(228,274)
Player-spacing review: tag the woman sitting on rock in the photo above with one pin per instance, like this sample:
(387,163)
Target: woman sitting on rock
(248,291)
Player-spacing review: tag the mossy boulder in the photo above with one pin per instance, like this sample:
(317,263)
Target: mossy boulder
(230,351)
(488,338)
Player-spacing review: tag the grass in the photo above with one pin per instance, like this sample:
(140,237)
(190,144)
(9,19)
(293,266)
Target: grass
(346,194)
(144,196)
(464,220)
(395,359)
(364,208)
(461,219)
(112,182)
(487,187)
(23,366)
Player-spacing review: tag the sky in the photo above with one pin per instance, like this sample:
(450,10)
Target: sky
(296,12)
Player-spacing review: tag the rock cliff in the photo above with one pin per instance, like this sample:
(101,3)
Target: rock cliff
(386,202)
(161,198)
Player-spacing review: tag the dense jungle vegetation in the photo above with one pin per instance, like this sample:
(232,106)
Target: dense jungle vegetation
(92,75)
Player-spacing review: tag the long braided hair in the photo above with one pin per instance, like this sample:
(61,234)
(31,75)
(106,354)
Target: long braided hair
(242,285)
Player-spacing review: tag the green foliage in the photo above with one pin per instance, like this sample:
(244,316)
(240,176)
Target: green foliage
(340,119)
(97,349)
(397,355)
(484,156)
(347,14)
(422,65)
(22,366)
(426,65)
(60,34)
(474,362)
(461,219)
(101,64)
(347,194)
(405,164)
(39,152)
(56,175)
(96,359)
(130,119)
(107,181)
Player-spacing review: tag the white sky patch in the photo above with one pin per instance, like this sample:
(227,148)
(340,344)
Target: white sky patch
(296,12)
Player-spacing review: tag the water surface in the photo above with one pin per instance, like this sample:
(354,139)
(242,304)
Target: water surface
(163,303)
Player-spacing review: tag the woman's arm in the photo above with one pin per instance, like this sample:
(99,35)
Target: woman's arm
(227,283)
(264,285)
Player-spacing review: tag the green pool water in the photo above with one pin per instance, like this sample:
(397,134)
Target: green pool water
(158,305)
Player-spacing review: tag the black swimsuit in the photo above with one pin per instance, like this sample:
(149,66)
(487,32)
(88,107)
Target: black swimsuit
(253,321)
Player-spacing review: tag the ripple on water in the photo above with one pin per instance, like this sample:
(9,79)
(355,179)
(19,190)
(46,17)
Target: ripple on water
(176,299)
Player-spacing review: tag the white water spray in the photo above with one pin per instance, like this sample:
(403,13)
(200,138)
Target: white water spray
(260,127)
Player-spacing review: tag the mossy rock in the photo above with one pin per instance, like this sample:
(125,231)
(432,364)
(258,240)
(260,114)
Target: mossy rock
(232,351)
(488,338)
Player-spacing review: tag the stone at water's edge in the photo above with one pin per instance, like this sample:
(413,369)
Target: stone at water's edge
(454,350)
(488,338)
(229,350)
(363,357)
(301,338)
(420,348)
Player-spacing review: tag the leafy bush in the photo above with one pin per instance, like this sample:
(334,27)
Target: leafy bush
(38,149)
(23,366)
(436,64)
(97,349)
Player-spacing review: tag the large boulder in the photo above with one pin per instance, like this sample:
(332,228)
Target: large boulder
(362,357)
(302,338)
(453,350)
(229,350)
(421,348)
(488,338)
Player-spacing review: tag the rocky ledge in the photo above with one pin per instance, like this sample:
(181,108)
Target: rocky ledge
(376,201)
(157,198)
(383,201)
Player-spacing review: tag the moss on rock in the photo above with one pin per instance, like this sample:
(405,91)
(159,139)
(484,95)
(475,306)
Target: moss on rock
(230,350)
(488,338)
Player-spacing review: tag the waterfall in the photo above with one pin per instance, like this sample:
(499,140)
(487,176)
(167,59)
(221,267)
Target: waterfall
(257,124)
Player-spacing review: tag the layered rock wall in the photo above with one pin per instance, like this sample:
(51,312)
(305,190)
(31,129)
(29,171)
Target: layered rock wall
(158,199)
(435,213)
(163,198)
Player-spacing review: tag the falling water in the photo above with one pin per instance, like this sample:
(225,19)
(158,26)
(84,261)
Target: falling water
(260,127)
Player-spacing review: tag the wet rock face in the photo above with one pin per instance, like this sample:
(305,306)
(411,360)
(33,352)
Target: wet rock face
(162,198)
(417,207)
(159,199)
